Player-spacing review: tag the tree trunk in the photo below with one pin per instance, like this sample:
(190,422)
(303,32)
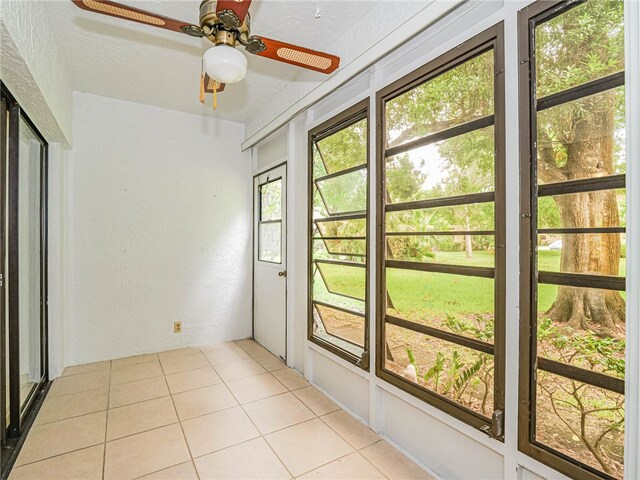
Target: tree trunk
(586,130)
(467,242)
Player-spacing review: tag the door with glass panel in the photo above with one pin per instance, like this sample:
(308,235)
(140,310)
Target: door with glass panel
(269,265)
(23,268)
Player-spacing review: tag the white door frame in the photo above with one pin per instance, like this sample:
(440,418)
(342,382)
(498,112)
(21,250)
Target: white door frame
(261,171)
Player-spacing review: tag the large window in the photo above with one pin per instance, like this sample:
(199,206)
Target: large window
(573,236)
(441,233)
(338,232)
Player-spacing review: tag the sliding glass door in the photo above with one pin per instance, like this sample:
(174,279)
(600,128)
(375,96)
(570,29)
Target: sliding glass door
(30,163)
(23,361)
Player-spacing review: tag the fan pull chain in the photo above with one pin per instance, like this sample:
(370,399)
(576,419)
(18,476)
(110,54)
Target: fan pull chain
(202,81)
(202,87)
(215,96)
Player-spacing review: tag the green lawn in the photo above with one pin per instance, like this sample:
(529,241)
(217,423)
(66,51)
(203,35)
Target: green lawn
(415,292)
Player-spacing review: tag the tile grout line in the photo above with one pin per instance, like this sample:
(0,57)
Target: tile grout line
(194,389)
(97,370)
(139,401)
(316,416)
(143,431)
(15,467)
(263,437)
(41,423)
(356,449)
(193,370)
(329,462)
(338,433)
(184,436)
(118,367)
(139,379)
(370,462)
(75,393)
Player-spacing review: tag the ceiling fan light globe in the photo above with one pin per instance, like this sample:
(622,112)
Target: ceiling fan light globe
(225,64)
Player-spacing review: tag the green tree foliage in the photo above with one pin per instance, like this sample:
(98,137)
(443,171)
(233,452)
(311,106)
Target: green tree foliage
(457,96)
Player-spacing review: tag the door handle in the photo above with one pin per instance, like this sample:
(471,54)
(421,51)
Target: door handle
(282,273)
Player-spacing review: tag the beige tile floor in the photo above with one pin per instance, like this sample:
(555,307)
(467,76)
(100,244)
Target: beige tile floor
(230,410)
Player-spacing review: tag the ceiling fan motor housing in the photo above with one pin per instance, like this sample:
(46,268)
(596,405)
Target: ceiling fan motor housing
(208,15)
(221,27)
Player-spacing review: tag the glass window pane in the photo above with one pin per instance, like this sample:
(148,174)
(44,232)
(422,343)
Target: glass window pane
(593,253)
(473,250)
(270,242)
(458,373)
(459,95)
(582,139)
(456,303)
(352,250)
(457,166)
(346,280)
(319,170)
(345,193)
(604,208)
(271,200)
(29,235)
(478,216)
(591,309)
(340,324)
(573,417)
(562,336)
(319,207)
(581,45)
(343,228)
(344,149)
(321,294)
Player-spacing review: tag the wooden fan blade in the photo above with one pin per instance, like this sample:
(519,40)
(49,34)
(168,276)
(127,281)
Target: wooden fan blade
(118,10)
(239,7)
(208,84)
(299,56)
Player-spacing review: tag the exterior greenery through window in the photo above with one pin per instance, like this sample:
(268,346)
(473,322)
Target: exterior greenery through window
(573,234)
(441,240)
(338,186)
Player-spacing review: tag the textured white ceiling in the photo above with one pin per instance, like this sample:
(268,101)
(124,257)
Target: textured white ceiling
(129,61)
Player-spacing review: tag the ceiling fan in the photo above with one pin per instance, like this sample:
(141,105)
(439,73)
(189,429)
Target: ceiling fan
(225,23)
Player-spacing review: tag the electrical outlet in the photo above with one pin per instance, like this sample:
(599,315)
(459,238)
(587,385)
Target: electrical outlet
(177,327)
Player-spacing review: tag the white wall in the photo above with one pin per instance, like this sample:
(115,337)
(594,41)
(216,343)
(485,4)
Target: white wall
(31,65)
(271,151)
(158,230)
(632,380)
(58,165)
